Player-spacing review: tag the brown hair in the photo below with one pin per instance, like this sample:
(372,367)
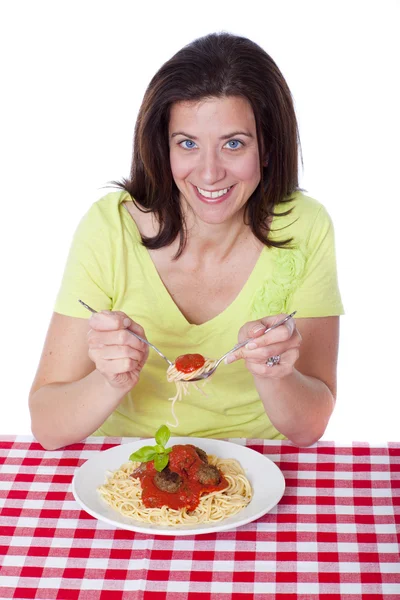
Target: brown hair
(217,65)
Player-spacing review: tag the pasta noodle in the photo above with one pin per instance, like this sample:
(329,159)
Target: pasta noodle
(182,381)
(123,493)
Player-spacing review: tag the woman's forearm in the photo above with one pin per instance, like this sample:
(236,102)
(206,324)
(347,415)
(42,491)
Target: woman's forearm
(64,413)
(298,406)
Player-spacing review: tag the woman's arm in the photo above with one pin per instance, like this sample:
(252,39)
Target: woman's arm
(74,393)
(299,399)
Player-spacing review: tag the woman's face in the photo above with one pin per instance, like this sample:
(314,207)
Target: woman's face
(214,156)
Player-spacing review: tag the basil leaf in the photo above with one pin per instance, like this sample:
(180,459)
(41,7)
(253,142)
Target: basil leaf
(160,461)
(159,449)
(162,436)
(168,450)
(144,454)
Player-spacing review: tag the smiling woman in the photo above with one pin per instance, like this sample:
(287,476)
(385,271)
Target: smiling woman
(215,171)
(208,242)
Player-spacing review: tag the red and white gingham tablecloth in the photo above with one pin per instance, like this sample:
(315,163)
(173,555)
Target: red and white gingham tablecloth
(334,535)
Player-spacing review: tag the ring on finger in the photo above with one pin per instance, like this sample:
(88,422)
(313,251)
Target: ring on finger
(273,360)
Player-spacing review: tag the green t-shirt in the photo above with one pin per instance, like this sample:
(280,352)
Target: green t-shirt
(110,269)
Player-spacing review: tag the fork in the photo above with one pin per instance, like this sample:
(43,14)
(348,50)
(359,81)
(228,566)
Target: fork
(134,334)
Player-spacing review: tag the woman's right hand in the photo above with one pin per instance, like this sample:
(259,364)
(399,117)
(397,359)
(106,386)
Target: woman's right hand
(118,355)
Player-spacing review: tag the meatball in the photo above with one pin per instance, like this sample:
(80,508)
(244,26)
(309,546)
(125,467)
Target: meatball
(167,481)
(208,475)
(201,454)
(182,457)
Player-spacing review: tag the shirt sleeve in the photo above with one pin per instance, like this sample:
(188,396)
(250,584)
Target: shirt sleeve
(88,273)
(318,294)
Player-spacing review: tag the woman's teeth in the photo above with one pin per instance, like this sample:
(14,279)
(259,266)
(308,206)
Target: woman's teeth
(216,194)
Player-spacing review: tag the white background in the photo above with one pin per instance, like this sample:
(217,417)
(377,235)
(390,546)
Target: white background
(73,76)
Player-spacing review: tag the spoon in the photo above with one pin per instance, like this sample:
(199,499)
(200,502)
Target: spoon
(211,371)
(135,335)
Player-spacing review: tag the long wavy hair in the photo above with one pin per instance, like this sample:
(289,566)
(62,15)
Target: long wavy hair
(215,66)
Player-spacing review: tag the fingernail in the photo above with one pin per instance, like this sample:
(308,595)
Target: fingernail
(229,359)
(259,328)
(127,322)
(290,325)
(251,346)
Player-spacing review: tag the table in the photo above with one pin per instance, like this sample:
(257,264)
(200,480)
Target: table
(335,534)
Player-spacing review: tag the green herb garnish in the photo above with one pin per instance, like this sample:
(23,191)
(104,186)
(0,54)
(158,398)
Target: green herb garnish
(158,453)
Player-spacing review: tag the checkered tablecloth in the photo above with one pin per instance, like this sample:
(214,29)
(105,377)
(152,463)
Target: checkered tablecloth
(335,534)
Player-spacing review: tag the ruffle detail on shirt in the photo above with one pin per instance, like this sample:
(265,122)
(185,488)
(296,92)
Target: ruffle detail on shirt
(273,296)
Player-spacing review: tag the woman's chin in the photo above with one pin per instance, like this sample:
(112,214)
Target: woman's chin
(217,217)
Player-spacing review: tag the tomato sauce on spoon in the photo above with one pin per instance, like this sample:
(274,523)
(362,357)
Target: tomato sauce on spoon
(187,363)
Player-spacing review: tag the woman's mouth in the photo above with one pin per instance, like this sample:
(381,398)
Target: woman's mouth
(213,196)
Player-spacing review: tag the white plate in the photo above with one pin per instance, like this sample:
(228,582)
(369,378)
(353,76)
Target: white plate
(265,477)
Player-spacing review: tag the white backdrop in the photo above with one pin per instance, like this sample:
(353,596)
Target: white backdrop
(72,77)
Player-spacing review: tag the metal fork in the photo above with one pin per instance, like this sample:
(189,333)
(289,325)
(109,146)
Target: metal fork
(135,335)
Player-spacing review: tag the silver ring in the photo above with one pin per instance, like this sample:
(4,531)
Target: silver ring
(273,360)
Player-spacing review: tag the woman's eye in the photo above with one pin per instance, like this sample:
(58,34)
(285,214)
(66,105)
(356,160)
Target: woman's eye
(188,144)
(234,144)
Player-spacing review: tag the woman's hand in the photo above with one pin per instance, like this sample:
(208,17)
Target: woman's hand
(283,342)
(118,355)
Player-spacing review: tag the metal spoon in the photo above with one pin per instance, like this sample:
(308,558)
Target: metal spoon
(209,373)
(135,335)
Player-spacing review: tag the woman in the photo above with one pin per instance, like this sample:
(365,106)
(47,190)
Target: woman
(209,242)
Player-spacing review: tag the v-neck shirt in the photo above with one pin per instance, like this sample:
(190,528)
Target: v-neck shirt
(110,268)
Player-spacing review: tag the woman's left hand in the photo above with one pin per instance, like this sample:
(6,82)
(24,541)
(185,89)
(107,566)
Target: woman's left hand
(273,354)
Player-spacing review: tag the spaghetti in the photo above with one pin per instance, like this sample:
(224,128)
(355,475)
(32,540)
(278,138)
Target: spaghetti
(124,494)
(182,373)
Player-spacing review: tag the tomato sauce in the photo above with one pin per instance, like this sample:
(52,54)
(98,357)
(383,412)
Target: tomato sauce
(185,461)
(187,363)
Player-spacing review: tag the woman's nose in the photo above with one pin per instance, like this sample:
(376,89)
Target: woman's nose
(211,168)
